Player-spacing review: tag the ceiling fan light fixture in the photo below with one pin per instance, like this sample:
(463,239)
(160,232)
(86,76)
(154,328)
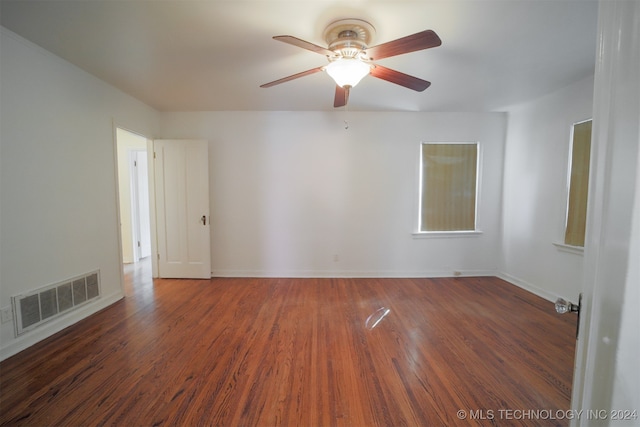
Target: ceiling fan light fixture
(348,71)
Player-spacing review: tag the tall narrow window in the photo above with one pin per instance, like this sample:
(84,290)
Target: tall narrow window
(578,184)
(448,187)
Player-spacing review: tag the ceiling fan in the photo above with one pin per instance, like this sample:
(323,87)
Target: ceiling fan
(351,59)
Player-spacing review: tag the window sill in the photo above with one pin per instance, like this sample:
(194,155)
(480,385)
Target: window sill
(578,250)
(445,234)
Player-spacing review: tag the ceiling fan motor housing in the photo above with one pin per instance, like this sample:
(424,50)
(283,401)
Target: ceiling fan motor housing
(349,37)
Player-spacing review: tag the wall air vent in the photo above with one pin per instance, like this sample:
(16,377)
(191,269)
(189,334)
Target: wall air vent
(32,309)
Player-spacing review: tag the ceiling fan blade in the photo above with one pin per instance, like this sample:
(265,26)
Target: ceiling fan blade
(305,45)
(399,78)
(292,77)
(342,96)
(419,41)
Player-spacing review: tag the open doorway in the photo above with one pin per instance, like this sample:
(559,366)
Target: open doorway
(133,190)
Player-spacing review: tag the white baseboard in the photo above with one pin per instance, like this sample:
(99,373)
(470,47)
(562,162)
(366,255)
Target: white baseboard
(350,273)
(46,330)
(528,286)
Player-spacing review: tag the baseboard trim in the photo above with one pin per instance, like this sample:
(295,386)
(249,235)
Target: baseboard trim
(350,273)
(45,331)
(527,286)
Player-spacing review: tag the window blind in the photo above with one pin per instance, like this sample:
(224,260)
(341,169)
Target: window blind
(448,201)
(578,184)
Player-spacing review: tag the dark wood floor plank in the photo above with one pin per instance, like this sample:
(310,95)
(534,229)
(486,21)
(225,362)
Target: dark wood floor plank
(314,352)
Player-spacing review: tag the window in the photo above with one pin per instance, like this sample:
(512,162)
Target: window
(448,183)
(578,184)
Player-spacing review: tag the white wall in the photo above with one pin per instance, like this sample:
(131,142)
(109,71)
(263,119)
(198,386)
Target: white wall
(58,187)
(290,191)
(535,192)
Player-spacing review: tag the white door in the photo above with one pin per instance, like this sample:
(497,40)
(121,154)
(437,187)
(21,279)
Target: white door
(607,379)
(182,208)
(140,182)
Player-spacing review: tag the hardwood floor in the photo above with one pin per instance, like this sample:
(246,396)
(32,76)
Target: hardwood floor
(301,352)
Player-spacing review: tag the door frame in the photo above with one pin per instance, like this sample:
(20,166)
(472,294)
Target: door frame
(152,204)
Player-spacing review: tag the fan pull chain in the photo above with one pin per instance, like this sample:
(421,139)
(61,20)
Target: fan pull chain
(346,113)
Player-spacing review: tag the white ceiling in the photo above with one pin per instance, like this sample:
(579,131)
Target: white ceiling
(209,55)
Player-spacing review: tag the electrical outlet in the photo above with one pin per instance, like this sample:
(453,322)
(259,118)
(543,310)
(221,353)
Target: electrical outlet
(6,315)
